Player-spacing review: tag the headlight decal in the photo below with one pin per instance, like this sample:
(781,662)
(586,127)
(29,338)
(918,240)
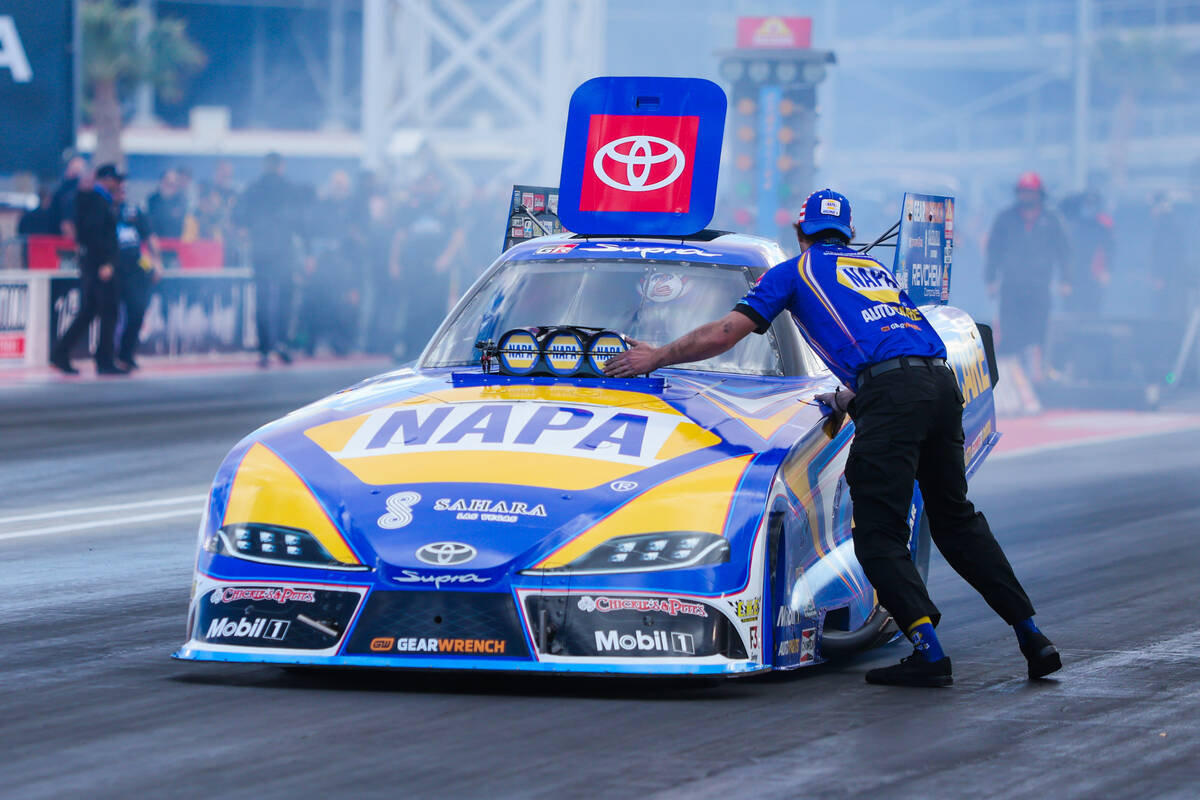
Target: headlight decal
(267,490)
(697,501)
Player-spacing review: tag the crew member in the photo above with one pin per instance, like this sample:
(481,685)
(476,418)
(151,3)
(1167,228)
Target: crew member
(908,423)
(136,274)
(1027,250)
(96,234)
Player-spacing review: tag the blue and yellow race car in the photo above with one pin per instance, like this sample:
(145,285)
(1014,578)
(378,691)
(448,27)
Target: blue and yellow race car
(449,516)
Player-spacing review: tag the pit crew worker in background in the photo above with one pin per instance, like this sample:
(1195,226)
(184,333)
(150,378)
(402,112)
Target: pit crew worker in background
(1026,249)
(96,234)
(136,274)
(908,425)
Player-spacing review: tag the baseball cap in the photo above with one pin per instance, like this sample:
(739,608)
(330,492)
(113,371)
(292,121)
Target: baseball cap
(825,210)
(109,171)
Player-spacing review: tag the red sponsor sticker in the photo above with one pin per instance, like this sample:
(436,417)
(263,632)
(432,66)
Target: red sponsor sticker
(12,345)
(639,163)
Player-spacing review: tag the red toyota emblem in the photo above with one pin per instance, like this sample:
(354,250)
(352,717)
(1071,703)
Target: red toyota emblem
(639,163)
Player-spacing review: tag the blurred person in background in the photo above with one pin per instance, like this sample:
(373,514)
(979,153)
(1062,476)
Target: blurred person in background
(1174,270)
(269,214)
(1027,250)
(210,218)
(167,207)
(1091,236)
(137,272)
(384,298)
(433,239)
(96,234)
(332,298)
(224,185)
(39,221)
(62,205)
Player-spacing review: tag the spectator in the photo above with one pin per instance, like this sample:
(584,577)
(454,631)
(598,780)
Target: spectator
(268,212)
(136,274)
(384,295)
(96,226)
(167,207)
(433,240)
(210,220)
(62,206)
(1173,279)
(1027,248)
(1091,236)
(333,289)
(39,221)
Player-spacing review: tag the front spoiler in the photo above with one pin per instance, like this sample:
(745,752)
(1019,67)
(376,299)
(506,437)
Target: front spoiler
(444,664)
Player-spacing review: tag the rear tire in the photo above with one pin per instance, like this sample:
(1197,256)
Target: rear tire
(879,627)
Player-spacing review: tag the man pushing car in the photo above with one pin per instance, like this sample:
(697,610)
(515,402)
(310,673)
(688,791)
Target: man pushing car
(907,408)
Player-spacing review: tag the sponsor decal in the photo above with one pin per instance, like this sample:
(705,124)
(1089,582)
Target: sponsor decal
(787,617)
(438,579)
(605,433)
(658,640)
(446,554)
(246,628)
(488,510)
(831,207)
(747,609)
(430,644)
(753,637)
(554,249)
(883,310)
(623,486)
(672,606)
(12,52)
(644,251)
(663,287)
(647,160)
(808,644)
(399,510)
(231,594)
(868,279)
(382,644)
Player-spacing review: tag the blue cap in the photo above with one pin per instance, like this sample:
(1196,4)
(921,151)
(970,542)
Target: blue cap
(825,210)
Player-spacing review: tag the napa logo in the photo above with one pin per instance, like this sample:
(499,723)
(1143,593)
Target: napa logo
(604,433)
(869,279)
(564,353)
(604,347)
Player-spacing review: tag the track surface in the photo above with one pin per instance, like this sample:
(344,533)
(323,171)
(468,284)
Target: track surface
(1105,537)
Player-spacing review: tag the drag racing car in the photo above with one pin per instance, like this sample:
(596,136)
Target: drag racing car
(454,516)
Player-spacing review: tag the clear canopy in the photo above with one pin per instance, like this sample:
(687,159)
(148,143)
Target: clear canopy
(648,301)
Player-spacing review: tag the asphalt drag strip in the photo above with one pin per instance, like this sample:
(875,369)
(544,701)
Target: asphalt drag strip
(1103,536)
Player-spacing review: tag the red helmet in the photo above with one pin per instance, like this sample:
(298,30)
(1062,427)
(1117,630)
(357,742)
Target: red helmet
(1031,181)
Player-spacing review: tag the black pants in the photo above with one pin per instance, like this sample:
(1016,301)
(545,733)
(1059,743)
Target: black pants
(908,425)
(97,298)
(273,308)
(136,286)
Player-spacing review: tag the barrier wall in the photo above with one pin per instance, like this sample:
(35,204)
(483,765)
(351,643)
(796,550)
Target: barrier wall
(192,311)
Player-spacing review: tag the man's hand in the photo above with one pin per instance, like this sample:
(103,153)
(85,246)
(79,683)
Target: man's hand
(106,273)
(838,402)
(639,359)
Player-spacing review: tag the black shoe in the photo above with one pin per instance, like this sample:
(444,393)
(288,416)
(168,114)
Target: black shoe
(913,671)
(264,360)
(127,364)
(63,365)
(283,354)
(110,369)
(1042,656)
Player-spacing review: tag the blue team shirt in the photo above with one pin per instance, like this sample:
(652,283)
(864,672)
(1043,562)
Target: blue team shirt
(848,307)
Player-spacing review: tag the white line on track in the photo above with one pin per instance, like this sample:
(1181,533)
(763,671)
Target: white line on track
(104,523)
(99,510)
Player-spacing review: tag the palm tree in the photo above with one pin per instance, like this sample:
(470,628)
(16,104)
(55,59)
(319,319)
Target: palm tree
(116,57)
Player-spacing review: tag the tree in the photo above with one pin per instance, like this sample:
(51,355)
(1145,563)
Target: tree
(116,57)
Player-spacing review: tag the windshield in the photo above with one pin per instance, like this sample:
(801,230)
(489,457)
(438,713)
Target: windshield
(649,301)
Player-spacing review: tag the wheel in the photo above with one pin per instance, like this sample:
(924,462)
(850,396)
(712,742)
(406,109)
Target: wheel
(879,627)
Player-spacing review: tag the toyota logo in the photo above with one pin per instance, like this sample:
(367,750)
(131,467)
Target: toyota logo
(643,153)
(446,554)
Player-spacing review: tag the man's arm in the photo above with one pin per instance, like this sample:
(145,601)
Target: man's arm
(703,342)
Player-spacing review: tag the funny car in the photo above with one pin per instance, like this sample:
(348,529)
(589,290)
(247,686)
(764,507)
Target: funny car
(449,516)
